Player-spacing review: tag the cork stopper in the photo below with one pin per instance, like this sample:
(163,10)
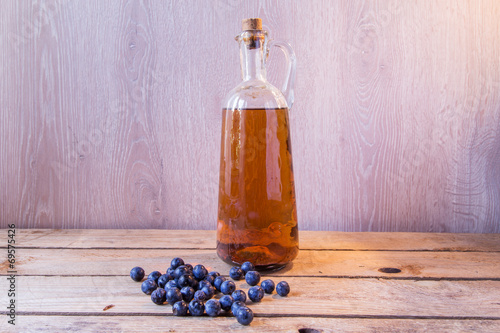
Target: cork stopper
(251,24)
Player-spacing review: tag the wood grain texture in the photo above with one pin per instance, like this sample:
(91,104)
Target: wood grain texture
(89,289)
(373,298)
(128,323)
(309,240)
(361,264)
(110,112)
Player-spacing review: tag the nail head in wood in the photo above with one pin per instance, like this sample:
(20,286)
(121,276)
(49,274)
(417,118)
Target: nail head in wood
(389,270)
(309,330)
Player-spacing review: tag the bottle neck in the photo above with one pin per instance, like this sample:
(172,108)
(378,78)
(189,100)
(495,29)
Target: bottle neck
(253,44)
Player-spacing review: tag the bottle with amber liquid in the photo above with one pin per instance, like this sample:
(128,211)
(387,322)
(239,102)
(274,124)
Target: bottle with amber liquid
(257,215)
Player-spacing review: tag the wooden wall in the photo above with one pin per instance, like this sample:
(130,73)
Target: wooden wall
(110,111)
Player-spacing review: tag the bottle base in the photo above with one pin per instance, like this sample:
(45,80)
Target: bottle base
(261,268)
(260,256)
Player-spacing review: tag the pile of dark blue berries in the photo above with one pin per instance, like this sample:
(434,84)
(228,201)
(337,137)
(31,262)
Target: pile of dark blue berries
(190,290)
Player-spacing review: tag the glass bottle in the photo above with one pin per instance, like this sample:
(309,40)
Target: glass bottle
(257,215)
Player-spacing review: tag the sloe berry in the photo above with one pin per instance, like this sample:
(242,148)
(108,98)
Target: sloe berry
(244,315)
(148,286)
(212,307)
(155,275)
(227,287)
(186,280)
(176,262)
(268,286)
(180,271)
(252,278)
(159,296)
(210,279)
(282,288)
(162,280)
(203,283)
(173,295)
(171,284)
(247,266)
(196,308)
(256,293)
(180,308)
(137,274)
(239,295)
(187,294)
(225,302)
(236,273)
(199,272)
(200,295)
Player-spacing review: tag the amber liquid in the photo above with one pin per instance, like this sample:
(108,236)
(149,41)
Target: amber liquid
(257,218)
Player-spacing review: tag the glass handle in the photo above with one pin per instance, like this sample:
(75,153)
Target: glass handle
(289,83)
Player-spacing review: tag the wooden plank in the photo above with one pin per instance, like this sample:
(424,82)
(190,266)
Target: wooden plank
(310,296)
(454,265)
(260,324)
(144,238)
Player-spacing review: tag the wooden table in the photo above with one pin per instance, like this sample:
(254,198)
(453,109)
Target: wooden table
(79,280)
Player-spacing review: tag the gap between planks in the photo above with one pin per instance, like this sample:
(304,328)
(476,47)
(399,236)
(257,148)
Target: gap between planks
(260,315)
(206,239)
(351,277)
(213,249)
(260,324)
